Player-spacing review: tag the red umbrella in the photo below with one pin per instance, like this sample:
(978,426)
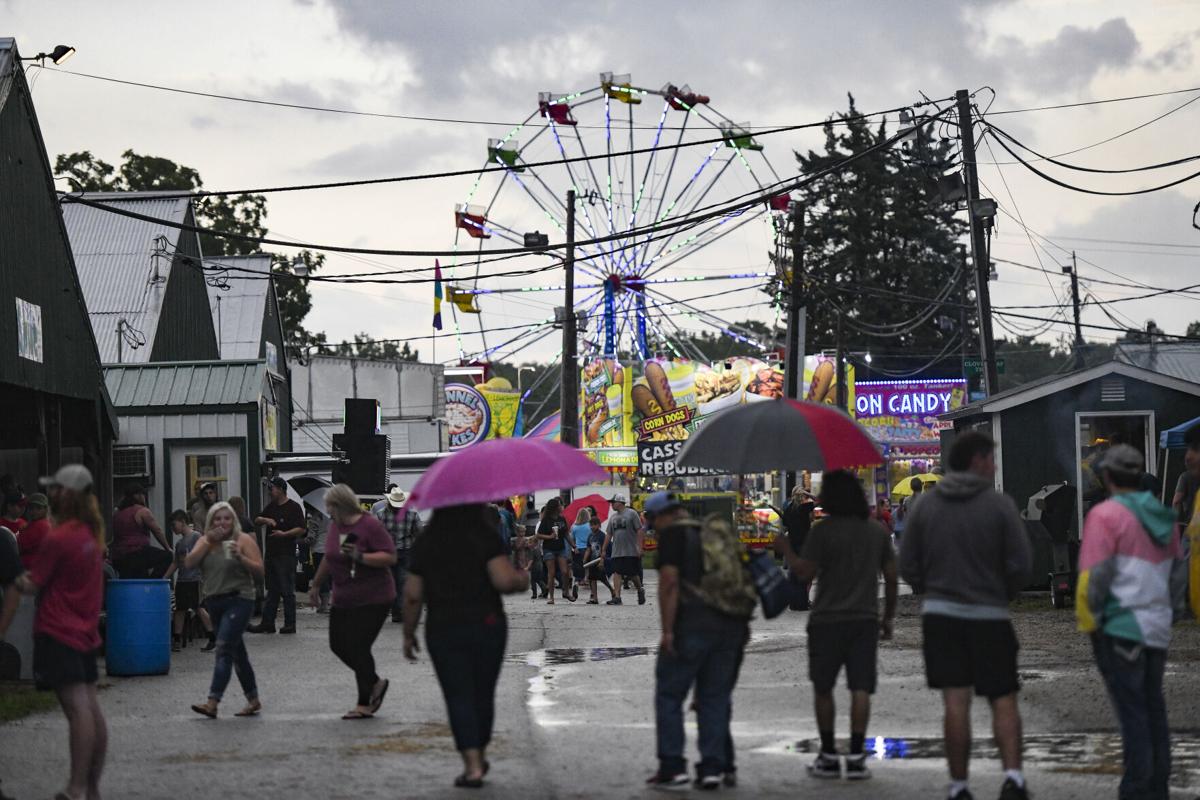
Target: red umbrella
(594,501)
(779,434)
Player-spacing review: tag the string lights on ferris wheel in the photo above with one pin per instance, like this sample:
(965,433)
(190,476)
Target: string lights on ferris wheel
(615,193)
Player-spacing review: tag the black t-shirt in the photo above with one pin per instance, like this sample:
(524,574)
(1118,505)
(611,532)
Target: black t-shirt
(797,519)
(458,588)
(288,516)
(679,547)
(1187,487)
(10,559)
(554,545)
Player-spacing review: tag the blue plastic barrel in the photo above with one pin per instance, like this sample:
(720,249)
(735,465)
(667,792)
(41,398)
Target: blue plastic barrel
(139,627)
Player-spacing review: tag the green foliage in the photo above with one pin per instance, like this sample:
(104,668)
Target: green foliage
(1193,330)
(1027,359)
(364,346)
(880,223)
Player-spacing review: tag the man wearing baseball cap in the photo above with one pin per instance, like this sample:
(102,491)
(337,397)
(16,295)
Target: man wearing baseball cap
(284,521)
(1124,601)
(624,534)
(37,508)
(701,643)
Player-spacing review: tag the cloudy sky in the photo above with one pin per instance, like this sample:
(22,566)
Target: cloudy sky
(767,63)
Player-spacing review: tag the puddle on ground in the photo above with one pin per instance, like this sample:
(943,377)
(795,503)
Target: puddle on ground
(561,656)
(1075,753)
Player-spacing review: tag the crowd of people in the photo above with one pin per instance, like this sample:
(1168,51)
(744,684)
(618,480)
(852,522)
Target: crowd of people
(964,550)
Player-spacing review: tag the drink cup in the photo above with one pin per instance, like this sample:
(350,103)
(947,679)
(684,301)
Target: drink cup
(227,547)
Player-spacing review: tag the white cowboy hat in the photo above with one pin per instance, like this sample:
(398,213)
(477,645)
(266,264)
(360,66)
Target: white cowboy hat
(397,497)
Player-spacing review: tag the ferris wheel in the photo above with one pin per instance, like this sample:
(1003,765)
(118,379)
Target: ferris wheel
(624,298)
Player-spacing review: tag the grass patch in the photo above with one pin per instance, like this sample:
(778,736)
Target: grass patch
(18,700)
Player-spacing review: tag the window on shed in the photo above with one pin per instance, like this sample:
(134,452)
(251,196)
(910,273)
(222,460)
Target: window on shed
(1112,390)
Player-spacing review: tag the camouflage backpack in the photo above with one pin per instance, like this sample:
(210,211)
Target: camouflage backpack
(724,585)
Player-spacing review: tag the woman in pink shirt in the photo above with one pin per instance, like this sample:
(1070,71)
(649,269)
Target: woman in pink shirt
(359,554)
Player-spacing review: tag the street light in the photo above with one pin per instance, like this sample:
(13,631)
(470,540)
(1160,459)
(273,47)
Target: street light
(519,371)
(57,56)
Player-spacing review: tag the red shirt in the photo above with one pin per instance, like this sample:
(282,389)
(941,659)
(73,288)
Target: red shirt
(30,540)
(14,525)
(69,573)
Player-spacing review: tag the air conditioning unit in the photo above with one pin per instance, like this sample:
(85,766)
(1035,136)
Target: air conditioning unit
(134,462)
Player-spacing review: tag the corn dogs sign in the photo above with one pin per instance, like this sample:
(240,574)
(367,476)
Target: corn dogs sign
(656,405)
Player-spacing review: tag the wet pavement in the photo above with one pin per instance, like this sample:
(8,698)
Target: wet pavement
(575,719)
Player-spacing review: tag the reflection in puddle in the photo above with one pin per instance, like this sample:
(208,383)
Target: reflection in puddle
(1081,753)
(560,656)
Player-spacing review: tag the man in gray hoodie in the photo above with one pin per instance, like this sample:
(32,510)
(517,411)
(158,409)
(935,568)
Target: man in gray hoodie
(965,549)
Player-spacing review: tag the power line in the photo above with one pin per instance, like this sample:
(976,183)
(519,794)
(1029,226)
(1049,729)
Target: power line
(757,197)
(1092,102)
(998,132)
(375,114)
(1084,190)
(1177,337)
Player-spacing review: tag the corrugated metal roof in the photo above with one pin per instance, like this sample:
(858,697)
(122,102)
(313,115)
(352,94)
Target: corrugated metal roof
(1178,359)
(187,383)
(121,275)
(238,305)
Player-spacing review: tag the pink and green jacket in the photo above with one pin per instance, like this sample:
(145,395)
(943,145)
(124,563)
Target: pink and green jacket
(1129,546)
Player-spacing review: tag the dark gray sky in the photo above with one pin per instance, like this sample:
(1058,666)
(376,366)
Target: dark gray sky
(768,63)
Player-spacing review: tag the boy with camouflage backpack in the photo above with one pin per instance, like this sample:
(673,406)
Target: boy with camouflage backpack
(706,600)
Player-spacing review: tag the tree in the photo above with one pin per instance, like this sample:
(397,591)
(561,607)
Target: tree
(1193,330)
(874,226)
(364,346)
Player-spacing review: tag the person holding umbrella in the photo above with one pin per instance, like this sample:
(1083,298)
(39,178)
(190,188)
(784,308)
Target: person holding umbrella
(459,569)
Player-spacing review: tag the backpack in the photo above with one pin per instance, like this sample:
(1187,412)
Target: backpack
(716,552)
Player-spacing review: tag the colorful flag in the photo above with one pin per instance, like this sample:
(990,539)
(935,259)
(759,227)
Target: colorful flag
(437,294)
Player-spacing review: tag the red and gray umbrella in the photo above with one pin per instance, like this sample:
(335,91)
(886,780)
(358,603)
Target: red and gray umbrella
(779,435)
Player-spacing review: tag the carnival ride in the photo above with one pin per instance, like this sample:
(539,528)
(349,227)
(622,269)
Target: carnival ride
(630,172)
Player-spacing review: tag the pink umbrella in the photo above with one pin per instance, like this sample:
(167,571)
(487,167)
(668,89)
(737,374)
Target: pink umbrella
(500,468)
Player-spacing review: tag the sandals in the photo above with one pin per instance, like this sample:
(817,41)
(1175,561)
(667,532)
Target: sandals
(377,700)
(356,714)
(251,710)
(205,711)
(593,602)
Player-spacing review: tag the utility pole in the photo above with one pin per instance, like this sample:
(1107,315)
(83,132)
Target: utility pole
(797,322)
(991,377)
(569,399)
(1073,271)
(962,322)
(840,373)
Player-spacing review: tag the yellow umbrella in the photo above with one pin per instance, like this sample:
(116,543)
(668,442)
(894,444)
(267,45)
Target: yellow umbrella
(904,487)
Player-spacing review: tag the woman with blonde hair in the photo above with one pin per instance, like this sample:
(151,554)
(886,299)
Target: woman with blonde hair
(229,560)
(359,555)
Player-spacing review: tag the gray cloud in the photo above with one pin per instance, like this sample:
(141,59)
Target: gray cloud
(1176,56)
(1070,60)
(393,156)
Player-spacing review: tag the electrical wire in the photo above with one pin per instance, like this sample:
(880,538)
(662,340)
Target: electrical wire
(998,133)
(1084,103)
(1085,190)
(758,197)
(375,114)
(1161,334)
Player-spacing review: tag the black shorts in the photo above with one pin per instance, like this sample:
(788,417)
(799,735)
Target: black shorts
(832,645)
(187,595)
(596,572)
(962,653)
(56,665)
(626,566)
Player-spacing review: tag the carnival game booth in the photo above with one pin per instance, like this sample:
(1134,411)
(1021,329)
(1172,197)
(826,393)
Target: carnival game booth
(903,418)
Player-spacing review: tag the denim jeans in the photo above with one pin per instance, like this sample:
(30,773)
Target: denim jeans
(1134,677)
(230,616)
(710,660)
(467,657)
(281,582)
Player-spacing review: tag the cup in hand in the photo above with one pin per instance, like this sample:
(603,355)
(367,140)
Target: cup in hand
(229,547)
